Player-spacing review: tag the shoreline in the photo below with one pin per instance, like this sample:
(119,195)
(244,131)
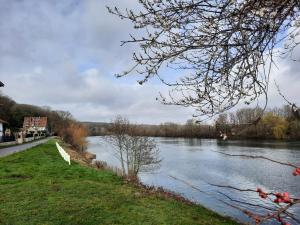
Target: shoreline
(86,159)
(80,194)
(230,138)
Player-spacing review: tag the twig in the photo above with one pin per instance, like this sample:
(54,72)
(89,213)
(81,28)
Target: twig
(259,157)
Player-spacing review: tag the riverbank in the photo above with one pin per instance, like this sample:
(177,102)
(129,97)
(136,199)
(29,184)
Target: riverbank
(37,186)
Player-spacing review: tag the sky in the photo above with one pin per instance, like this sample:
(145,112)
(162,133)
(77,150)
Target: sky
(64,54)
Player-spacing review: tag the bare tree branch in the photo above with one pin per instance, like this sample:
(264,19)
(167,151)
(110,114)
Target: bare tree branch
(294,107)
(258,157)
(222,50)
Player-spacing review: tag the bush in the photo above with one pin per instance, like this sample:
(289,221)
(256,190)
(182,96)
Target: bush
(135,153)
(75,135)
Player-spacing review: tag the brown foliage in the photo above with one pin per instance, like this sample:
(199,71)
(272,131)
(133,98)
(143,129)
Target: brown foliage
(75,135)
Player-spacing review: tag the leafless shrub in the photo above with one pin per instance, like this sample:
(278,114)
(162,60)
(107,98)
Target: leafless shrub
(135,153)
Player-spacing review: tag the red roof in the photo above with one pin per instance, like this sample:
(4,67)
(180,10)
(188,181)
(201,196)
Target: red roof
(34,122)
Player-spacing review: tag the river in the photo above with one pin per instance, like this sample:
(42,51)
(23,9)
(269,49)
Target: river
(190,166)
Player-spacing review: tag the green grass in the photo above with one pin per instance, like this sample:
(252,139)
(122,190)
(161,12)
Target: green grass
(38,187)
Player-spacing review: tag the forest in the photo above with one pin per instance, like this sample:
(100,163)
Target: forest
(60,123)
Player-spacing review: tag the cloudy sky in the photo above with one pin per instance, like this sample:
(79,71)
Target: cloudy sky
(64,54)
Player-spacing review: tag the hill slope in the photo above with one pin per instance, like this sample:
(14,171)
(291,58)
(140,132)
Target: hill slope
(38,187)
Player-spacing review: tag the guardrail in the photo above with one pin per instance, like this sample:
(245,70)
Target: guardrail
(63,153)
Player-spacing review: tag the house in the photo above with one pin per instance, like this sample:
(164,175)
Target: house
(35,126)
(2,129)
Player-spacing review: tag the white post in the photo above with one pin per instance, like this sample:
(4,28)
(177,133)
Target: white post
(63,153)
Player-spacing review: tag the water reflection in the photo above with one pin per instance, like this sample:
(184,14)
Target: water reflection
(262,144)
(197,162)
(181,141)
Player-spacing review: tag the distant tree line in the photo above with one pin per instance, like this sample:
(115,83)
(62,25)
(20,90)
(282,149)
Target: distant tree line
(245,123)
(189,130)
(60,123)
(275,123)
(97,128)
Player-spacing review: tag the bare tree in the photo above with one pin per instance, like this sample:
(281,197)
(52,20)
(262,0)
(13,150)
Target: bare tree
(223,49)
(142,154)
(135,153)
(119,129)
(248,115)
(295,110)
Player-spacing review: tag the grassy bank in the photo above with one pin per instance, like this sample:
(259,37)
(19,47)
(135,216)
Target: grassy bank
(38,187)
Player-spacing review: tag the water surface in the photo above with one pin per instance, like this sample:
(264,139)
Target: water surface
(190,165)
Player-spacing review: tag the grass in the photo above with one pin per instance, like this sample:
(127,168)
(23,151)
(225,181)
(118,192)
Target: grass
(38,187)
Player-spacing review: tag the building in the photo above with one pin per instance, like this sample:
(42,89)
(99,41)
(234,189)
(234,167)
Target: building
(35,126)
(1,84)
(2,129)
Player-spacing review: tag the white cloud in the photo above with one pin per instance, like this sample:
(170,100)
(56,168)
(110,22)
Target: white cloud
(64,54)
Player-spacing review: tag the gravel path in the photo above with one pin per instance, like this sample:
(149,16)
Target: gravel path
(19,148)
